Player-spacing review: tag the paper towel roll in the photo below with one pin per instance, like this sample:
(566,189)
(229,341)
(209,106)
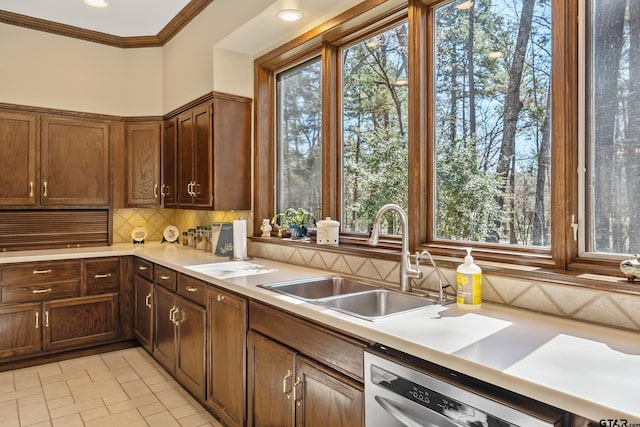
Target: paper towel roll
(239,239)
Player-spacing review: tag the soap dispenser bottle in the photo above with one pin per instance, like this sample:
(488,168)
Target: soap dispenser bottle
(469,283)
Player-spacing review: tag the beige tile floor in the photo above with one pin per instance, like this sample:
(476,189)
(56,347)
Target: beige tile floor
(125,388)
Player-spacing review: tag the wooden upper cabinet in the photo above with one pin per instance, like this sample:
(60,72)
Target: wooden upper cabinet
(74,162)
(214,154)
(143,164)
(231,153)
(17,159)
(169,186)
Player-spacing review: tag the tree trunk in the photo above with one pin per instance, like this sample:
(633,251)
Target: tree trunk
(472,78)
(539,234)
(609,26)
(512,106)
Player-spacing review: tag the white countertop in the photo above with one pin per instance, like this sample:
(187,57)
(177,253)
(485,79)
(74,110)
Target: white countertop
(589,370)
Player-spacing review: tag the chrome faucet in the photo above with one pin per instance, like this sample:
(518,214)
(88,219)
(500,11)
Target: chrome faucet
(441,298)
(407,272)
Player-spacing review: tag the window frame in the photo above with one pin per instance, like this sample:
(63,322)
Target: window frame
(373,16)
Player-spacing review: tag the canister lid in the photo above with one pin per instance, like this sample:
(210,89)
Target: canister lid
(328,222)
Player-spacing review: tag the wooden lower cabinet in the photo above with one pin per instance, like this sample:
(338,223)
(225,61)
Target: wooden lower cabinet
(143,319)
(179,338)
(227,333)
(20,330)
(287,389)
(77,322)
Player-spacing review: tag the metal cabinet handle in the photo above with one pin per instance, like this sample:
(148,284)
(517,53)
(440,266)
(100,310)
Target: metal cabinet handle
(155,191)
(46,319)
(191,289)
(46,189)
(41,291)
(171,313)
(49,271)
(143,268)
(220,298)
(164,190)
(196,187)
(165,277)
(37,319)
(102,275)
(189,186)
(30,188)
(296,398)
(147,300)
(286,384)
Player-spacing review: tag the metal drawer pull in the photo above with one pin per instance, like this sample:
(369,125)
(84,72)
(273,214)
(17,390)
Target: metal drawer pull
(102,276)
(296,398)
(41,291)
(46,319)
(286,389)
(49,271)
(191,289)
(37,319)
(30,188)
(46,189)
(147,300)
(163,277)
(155,191)
(143,268)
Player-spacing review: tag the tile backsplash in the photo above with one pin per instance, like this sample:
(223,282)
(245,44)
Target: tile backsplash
(595,306)
(155,220)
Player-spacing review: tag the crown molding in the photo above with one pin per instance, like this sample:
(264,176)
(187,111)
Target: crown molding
(190,11)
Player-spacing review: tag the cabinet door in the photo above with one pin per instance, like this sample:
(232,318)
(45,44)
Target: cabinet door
(17,159)
(227,315)
(20,329)
(323,398)
(270,385)
(202,155)
(231,153)
(143,303)
(81,321)
(186,153)
(169,188)
(143,164)
(164,337)
(191,339)
(74,162)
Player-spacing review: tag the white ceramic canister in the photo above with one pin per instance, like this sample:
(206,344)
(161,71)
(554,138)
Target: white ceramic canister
(328,232)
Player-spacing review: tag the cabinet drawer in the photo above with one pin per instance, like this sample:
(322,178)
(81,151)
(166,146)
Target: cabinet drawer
(343,354)
(143,268)
(102,276)
(40,292)
(39,272)
(165,277)
(192,289)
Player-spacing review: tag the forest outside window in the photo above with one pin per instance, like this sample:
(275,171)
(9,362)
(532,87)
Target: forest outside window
(611,210)
(374,129)
(299,147)
(492,142)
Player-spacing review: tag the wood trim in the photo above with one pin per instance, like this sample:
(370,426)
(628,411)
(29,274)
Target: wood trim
(190,11)
(331,129)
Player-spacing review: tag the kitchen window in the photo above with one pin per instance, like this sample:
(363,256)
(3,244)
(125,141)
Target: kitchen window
(611,158)
(493,127)
(299,147)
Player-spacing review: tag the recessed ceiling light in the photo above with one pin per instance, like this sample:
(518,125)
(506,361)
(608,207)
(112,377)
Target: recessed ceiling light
(96,3)
(289,15)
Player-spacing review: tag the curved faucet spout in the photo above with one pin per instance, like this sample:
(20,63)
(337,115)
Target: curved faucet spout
(406,272)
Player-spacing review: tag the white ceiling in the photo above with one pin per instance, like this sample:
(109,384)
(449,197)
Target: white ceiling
(132,18)
(122,18)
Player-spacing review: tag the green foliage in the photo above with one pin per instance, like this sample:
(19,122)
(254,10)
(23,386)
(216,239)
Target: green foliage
(299,217)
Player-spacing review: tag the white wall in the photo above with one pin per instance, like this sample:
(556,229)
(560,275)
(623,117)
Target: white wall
(46,70)
(232,72)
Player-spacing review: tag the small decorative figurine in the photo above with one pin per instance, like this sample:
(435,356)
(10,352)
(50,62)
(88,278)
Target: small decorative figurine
(631,268)
(266,228)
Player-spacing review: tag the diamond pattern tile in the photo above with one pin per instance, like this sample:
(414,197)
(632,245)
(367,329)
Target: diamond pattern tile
(612,309)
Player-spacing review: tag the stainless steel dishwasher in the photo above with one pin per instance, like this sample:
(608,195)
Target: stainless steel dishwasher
(401,390)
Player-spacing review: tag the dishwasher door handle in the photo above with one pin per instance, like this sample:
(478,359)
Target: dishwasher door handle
(427,418)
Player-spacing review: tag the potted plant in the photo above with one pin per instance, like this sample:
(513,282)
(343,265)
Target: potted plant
(297,221)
